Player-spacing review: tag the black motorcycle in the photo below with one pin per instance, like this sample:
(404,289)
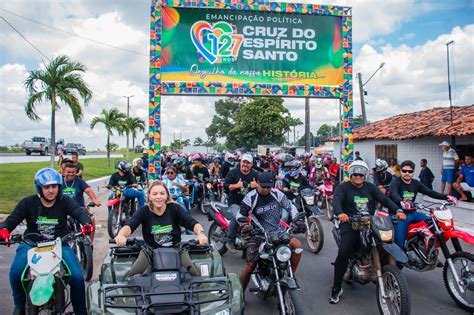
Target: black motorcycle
(375,261)
(273,275)
(305,203)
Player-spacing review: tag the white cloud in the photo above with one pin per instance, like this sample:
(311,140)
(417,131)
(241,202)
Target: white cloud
(413,77)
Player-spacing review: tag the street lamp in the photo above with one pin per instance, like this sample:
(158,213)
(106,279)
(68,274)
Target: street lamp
(361,90)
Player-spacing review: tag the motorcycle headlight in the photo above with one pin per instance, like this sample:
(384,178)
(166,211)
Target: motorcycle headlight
(283,253)
(209,185)
(309,200)
(224,312)
(386,236)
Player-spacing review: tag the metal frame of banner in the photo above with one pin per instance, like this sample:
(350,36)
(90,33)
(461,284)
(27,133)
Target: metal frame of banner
(157,87)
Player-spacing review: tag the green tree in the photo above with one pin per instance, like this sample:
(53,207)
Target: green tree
(198,141)
(223,120)
(177,145)
(59,83)
(132,126)
(112,120)
(263,120)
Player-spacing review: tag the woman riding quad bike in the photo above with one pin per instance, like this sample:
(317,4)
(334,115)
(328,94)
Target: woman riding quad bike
(162,274)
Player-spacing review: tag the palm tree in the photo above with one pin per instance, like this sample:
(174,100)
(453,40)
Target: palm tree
(59,82)
(132,125)
(112,120)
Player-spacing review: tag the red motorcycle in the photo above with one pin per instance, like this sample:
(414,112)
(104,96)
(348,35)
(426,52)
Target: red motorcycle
(422,247)
(324,197)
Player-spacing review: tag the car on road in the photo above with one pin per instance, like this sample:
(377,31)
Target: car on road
(39,145)
(75,148)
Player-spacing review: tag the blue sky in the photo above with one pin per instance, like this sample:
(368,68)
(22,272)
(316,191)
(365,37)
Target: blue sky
(408,35)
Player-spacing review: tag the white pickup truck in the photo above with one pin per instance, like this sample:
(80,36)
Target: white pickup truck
(37,144)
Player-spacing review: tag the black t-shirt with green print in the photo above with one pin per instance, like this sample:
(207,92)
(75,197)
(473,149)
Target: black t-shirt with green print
(351,200)
(41,219)
(164,230)
(401,191)
(122,180)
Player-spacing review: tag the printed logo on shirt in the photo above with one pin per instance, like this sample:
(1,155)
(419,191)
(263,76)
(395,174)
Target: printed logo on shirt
(361,203)
(408,195)
(46,225)
(138,178)
(70,192)
(162,235)
(122,182)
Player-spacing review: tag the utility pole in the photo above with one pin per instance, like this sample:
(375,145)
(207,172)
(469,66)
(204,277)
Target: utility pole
(449,80)
(307,143)
(362,100)
(128,115)
(362,93)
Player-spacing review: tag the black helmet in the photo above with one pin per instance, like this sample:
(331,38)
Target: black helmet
(124,166)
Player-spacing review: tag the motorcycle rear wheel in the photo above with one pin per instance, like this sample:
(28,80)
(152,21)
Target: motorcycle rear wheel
(315,235)
(396,288)
(216,236)
(113,222)
(465,261)
(293,301)
(328,209)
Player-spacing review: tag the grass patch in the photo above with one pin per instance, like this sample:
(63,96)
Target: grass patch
(17,179)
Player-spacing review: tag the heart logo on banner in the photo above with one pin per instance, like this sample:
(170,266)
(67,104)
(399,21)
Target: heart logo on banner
(199,30)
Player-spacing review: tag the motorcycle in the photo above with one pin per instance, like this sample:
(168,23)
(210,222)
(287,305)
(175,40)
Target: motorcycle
(121,209)
(324,197)
(46,275)
(82,247)
(375,261)
(166,287)
(305,203)
(217,187)
(273,275)
(422,247)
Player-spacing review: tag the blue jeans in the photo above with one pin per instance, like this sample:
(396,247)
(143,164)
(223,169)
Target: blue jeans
(233,225)
(401,228)
(76,283)
(194,193)
(132,193)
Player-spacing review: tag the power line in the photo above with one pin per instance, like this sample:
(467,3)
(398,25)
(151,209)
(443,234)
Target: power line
(73,34)
(21,35)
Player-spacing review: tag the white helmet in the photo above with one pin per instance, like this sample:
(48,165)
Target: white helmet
(359,167)
(136,161)
(380,165)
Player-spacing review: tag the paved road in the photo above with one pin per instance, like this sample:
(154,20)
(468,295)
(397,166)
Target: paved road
(22,158)
(428,295)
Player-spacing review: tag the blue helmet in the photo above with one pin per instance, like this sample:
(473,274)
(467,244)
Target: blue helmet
(47,176)
(295,168)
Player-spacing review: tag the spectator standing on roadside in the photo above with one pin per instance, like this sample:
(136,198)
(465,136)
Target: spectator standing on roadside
(465,181)
(450,157)
(426,175)
(334,169)
(60,151)
(77,164)
(357,156)
(394,167)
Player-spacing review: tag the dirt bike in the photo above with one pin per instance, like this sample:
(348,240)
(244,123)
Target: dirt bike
(375,261)
(304,201)
(422,247)
(273,275)
(82,247)
(46,276)
(121,209)
(166,287)
(324,197)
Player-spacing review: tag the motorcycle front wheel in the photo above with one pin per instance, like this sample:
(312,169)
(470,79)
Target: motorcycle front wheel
(86,261)
(113,222)
(315,235)
(464,267)
(205,204)
(396,289)
(293,301)
(216,236)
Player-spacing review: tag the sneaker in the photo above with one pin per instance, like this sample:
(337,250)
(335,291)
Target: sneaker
(439,264)
(335,295)
(231,247)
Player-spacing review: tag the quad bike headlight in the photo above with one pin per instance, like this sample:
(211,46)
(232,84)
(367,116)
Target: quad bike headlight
(283,253)
(386,236)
